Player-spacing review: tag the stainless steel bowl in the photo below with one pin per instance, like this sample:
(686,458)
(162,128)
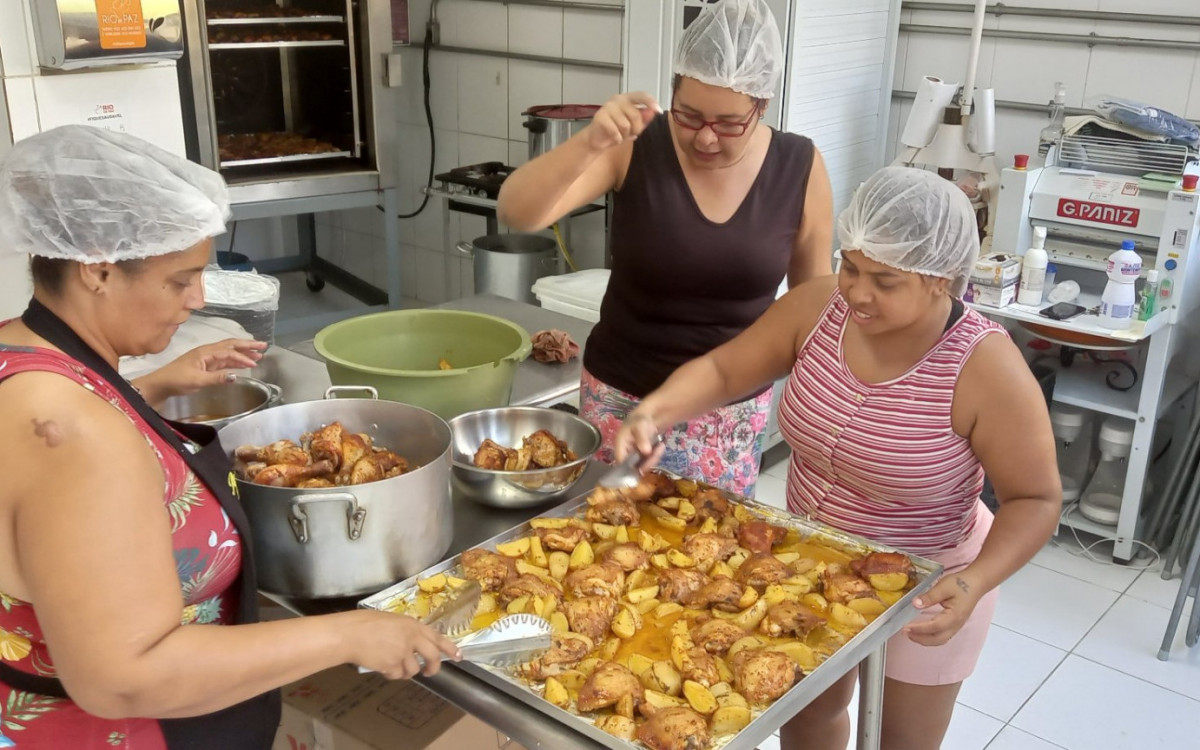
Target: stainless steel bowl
(508,426)
(219,405)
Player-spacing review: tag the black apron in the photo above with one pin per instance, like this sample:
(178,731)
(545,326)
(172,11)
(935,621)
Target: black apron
(250,725)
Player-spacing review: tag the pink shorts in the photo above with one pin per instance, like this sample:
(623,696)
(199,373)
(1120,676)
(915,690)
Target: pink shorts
(954,660)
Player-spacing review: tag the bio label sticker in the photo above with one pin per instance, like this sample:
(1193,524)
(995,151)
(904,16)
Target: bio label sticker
(121,24)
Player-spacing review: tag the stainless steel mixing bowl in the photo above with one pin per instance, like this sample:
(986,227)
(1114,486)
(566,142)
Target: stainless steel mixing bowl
(508,426)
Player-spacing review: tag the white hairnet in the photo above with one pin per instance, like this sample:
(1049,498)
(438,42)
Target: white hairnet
(90,195)
(733,44)
(913,220)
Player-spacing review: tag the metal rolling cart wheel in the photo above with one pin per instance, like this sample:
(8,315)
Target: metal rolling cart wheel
(314,281)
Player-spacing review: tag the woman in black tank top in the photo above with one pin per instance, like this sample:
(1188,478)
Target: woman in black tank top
(712,211)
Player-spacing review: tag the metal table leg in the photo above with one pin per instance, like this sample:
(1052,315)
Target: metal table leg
(870,699)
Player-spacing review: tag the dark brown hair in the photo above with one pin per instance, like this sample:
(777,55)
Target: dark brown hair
(759,103)
(51,273)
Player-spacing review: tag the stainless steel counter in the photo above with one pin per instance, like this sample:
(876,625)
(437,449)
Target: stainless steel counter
(301,373)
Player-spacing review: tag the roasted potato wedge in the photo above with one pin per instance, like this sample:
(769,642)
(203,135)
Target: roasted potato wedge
(582,556)
(846,617)
(641,594)
(798,652)
(556,693)
(624,625)
(572,679)
(667,609)
(663,677)
(699,697)
(624,706)
(679,559)
(659,699)
(729,720)
(618,726)
(560,563)
(647,606)
(550,523)
(604,531)
(890,597)
(432,583)
(559,623)
(639,663)
(537,555)
(514,548)
(867,607)
(888,581)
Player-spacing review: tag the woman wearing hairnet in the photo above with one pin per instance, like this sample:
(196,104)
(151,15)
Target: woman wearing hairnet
(129,600)
(711,210)
(900,398)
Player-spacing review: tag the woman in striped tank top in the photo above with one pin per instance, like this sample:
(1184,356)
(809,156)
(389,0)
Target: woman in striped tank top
(900,398)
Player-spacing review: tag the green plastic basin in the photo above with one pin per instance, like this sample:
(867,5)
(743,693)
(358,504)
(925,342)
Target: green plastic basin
(398,352)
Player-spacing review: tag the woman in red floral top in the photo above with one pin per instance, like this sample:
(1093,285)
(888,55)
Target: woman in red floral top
(128,613)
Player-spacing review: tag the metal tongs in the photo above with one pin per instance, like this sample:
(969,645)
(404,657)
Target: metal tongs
(625,474)
(513,639)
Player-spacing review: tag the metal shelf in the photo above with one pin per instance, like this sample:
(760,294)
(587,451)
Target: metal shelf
(286,159)
(1086,323)
(291,19)
(276,45)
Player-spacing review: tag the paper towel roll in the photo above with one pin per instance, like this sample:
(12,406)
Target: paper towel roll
(933,96)
(981,130)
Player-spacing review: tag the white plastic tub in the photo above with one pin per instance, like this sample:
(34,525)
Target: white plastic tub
(576,294)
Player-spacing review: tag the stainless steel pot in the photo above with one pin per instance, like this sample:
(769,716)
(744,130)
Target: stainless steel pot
(349,541)
(507,264)
(550,125)
(219,405)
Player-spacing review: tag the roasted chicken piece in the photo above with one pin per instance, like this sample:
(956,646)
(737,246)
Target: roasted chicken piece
(700,666)
(720,593)
(365,469)
(325,444)
(546,450)
(717,635)
(520,459)
(651,486)
(392,464)
(762,676)
(599,579)
(845,587)
(791,619)
(528,585)
(355,445)
(591,615)
(629,556)
(676,584)
(315,483)
(491,570)
(761,569)
(710,503)
(289,475)
(675,729)
(564,539)
(882,563)
(566,650)
(491,456)
(759,536)
(607,684)
(615,512)
(279,452)
(707,549)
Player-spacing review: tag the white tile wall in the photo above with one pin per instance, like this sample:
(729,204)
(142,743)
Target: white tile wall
(534,30)
(476,102)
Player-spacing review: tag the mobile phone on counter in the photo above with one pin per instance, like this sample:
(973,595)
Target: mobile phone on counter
(1062,311)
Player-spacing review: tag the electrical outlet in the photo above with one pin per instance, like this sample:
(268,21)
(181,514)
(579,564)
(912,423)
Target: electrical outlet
(394,77)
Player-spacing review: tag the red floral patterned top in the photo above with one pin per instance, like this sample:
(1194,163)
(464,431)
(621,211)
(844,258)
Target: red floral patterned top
(208,558)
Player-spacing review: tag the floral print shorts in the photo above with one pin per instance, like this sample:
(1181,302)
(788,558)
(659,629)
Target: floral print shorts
(722,448)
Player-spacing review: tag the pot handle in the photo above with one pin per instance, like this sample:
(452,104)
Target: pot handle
(333,391)
(466,249)
(355,515)
(276,394)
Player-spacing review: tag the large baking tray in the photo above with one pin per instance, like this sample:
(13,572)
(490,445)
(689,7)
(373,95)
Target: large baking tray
(765,722)
(277,45)
(286,159)
(274,20)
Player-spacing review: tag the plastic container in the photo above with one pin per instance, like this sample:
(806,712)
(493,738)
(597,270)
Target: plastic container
(1101,501)
(1054,129)
(250,299)
(1147,302)
(1120,296)
(1051,276)
(1033,270)
(1073,446)
(400,353)
(576,294)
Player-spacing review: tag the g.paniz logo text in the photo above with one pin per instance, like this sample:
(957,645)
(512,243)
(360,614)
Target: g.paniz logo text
(1099,213)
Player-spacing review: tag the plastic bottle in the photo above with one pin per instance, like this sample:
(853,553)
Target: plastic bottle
(1054,130)
(1147,302)
(1033,270)
(1120,296)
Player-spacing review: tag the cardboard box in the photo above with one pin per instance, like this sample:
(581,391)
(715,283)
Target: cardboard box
(998,270)
(340,709)
(990,296)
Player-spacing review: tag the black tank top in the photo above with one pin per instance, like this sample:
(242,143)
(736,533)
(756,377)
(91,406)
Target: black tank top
(682,285)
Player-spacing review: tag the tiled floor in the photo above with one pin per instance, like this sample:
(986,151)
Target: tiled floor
(1070,662)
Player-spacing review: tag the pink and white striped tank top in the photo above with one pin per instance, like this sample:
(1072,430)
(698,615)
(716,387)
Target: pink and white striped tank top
(882,460)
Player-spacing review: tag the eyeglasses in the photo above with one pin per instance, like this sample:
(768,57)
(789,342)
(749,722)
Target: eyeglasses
(722,128)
